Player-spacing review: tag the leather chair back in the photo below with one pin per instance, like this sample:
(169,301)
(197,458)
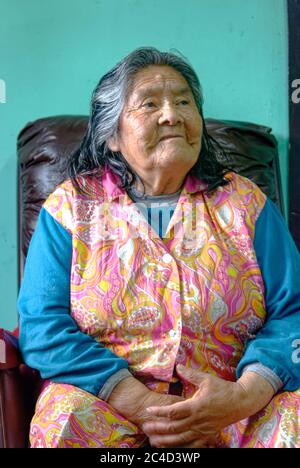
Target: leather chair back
(44,146)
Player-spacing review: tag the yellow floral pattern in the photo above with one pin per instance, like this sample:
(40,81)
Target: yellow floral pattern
(194,297)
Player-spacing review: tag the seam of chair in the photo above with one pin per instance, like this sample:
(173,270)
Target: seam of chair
(3,435)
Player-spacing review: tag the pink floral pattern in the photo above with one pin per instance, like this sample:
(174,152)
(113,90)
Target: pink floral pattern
(193,298)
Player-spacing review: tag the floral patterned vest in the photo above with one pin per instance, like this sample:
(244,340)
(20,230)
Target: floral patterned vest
(194,297)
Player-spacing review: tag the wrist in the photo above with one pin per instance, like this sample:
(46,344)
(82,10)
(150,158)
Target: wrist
(129,399)
(253,393)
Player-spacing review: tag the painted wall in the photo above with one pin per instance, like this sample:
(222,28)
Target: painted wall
(53,53)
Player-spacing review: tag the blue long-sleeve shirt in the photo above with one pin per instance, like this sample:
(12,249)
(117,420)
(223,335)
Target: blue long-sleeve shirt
(51,341)
(279,261)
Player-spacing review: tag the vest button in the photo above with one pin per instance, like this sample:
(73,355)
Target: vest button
(167,258)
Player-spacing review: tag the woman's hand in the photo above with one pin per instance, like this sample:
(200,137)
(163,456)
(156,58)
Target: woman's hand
(216,404)
(131,398)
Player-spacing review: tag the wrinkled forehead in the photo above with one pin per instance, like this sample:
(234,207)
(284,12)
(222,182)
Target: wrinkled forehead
(155,79)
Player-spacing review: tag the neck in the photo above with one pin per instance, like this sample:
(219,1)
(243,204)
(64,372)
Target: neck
(160,185)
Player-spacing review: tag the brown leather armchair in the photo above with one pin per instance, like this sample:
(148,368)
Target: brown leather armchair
(43,149)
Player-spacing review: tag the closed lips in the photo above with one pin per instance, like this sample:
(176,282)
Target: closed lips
(167,137)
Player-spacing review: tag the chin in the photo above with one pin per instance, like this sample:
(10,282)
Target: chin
(178,155)
(177,163)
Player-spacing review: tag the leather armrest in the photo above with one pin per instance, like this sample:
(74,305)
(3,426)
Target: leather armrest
(19,389)
(10,356)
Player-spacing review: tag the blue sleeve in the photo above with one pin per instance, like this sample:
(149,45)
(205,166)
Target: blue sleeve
(279,261)
(50,339)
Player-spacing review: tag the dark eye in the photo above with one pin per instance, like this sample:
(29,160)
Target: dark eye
(184,102)
(149,104)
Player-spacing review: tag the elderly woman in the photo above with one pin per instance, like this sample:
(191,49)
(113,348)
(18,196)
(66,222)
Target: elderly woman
(161,295)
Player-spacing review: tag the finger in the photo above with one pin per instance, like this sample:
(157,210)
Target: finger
(205,442)
(166,426)
(196,444)
(171,440)
(176,411)
(213,440)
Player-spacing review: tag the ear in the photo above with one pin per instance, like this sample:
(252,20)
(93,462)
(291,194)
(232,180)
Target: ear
(113,143)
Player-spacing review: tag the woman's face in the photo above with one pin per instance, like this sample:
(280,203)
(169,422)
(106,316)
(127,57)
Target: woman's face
(160,127)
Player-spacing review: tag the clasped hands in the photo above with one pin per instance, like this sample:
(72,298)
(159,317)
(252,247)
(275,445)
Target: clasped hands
(171,421)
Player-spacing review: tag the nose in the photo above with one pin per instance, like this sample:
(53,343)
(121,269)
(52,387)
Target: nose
(170,115)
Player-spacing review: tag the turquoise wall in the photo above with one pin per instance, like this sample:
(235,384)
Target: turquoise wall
(53,53)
